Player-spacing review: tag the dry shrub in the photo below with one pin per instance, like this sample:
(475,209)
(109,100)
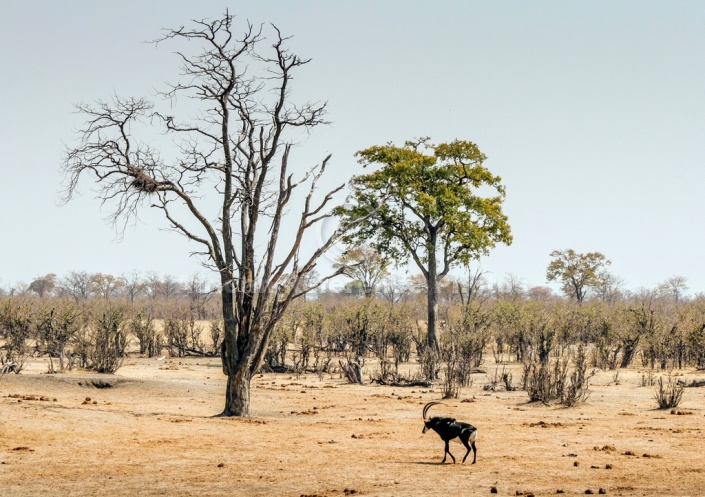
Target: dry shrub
(16,324)
(668,394)
(150,339)
(576,390)
(216,333)
(176,333)
(544,381)
(555,380)
(110,341)
(648,379)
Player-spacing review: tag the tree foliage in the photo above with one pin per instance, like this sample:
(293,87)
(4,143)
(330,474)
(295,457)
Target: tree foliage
(43,285)
(577,272)
(429,207)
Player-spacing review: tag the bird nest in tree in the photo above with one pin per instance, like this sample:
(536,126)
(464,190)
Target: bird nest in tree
(143,183)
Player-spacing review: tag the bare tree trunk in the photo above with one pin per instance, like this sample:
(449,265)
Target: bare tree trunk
(237,393)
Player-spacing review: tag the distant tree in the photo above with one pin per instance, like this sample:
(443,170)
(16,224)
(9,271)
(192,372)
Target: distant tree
(576,272)
(170,287)
(511,288)
(132,286)
(234,143)
(418,283)
(609,288)
(514,286)
(77,284)
(301,285)
(354,288)
(473,286)
(675,287)
(197,294)
(43,285)
(394,289)
(19,288)
(540,293)
(364,264)
(449,290)
(105,285)
(428,207)
(306,282)
(152,284)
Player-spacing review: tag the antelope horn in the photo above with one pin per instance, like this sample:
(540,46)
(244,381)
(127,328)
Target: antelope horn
(428,406)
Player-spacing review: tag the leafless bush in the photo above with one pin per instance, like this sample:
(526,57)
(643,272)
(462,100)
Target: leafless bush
(216,335)
(195,331)
(401,341)
(544,381)
(576,390)
(429,363)
(56,329)
(669,394)
(150,339)
(648,379)
(605,355)
(83,346)
(110,341)
(176,331)
(555,380)
(452,378)
(16,324)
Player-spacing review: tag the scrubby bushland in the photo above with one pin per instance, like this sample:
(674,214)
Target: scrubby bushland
(372,339)
(57,328)
(16,324)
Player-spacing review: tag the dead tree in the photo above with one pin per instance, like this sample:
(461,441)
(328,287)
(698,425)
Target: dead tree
(236,154)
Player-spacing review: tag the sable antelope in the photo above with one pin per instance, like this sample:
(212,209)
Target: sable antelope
(448,429)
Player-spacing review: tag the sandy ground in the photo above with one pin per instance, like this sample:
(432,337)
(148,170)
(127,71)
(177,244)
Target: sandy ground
(152,432)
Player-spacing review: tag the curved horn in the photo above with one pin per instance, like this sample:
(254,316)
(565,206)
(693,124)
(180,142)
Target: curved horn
(428,406)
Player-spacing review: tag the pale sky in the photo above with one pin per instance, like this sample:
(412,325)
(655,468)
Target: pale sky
(592,112)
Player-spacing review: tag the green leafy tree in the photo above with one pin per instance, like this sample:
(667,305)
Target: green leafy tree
(43,285)
(428,207)
(578,273)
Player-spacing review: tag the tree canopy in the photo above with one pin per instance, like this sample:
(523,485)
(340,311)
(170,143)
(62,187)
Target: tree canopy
(577,272)
(428,202)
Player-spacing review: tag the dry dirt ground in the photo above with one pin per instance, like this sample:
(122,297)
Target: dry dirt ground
(151,431)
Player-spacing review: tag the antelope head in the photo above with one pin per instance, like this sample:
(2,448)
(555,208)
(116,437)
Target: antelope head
(426,424)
